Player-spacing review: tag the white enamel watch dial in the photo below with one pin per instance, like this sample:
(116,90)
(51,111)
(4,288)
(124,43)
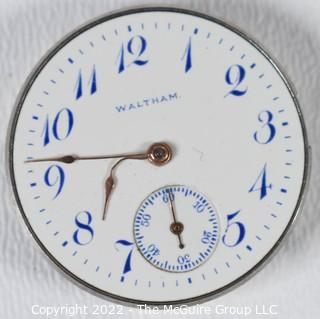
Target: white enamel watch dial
(145,101)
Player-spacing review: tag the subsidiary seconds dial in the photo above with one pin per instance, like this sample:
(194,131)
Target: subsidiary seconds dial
(176,228)
(157,156)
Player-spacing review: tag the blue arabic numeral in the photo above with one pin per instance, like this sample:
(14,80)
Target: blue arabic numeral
(199,206)
(136,47)
(78,88)
(121,63)
(166,194)
(84,233)
(46,132)
(145,220)
(261,183)
(153,250)
(206,237)
(239,229)
(267,131)
(53,176)
(92,83)
(183,259)
(57,130)
(127,264)
(187,56)
(235,76)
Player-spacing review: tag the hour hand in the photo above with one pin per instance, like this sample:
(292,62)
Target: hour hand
(109,185)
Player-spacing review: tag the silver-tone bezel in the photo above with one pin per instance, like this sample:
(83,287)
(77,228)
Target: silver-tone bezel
(10,146)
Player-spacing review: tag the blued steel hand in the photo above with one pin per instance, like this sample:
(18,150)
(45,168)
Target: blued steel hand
(176,227)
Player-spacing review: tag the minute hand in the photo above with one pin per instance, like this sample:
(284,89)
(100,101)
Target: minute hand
(69,159)
(158,154)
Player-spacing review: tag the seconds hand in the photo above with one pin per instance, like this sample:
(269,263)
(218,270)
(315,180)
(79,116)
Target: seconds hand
(176,227)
